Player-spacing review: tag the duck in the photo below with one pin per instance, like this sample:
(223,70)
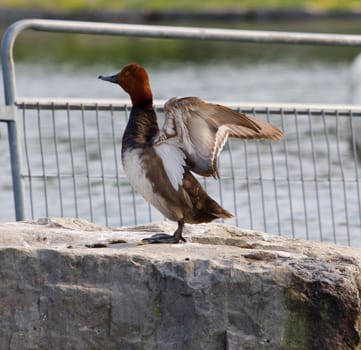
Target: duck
(161,163)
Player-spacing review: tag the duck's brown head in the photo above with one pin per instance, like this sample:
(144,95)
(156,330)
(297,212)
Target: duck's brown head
(134,79)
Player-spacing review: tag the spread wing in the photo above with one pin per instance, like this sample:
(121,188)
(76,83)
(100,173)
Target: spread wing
(201,130)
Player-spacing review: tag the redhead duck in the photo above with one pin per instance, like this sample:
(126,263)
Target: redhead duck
(160,162)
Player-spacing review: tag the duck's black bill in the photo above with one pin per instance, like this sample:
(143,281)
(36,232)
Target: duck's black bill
(111,78)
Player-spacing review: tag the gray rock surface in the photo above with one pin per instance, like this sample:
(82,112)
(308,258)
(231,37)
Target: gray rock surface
(225,288)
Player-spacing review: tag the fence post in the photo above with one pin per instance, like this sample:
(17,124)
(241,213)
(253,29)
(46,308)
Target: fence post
(12,125)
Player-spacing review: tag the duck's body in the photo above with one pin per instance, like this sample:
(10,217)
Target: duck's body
(144,163)
(159,163)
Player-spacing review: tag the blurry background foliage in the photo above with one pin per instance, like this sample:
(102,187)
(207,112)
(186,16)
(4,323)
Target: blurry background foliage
(183,4)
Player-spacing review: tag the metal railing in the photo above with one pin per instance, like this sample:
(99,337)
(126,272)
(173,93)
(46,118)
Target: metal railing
(65,152)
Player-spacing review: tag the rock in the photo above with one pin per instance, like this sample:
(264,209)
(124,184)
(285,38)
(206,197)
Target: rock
(226,288)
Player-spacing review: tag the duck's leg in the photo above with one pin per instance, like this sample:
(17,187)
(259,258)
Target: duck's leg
(164,238)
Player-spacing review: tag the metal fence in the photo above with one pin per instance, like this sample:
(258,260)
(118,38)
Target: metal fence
(65,153)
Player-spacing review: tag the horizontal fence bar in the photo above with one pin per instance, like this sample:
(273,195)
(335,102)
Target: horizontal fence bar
(251,178)
(121,104)
(168,32)
(160,32)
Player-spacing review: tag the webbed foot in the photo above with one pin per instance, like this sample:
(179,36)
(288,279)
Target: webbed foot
(164,238)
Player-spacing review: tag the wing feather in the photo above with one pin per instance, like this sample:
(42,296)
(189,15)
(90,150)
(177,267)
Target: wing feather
(201,129)
(173,160)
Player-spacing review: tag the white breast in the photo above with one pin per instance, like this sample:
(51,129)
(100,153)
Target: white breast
(133,167)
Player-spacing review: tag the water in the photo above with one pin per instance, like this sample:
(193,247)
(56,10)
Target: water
(279,81)
(260,82)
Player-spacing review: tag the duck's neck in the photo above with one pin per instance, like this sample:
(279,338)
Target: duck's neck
(141,128)
(141,95)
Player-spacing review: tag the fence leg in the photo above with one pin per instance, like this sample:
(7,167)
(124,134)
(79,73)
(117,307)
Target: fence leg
(18,182)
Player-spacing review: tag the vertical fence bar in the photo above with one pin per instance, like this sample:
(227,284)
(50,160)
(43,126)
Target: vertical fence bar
(302,177)
(12,126)
(261,185)
(220,183)
(340,161)
(234,187)
(16,170)
(100,152)
(274,179)
(116,162)
(57,161)
(73,171)
(329,176)
(315,176)
(43,168)
(261,180)
(27,158)
(86,156)
(288,178)
(355,159)
(248,184)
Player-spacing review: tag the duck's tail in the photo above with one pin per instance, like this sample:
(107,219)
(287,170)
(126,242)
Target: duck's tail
(218,212)
(211,210)
(201,207)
